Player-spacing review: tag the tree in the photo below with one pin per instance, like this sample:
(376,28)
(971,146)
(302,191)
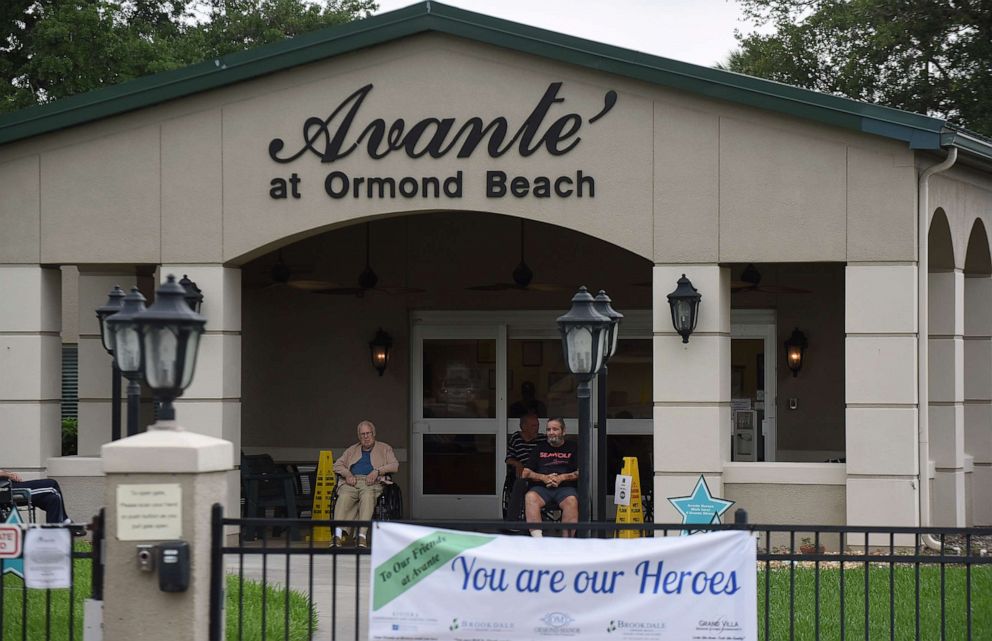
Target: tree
(926,56)
(50,49)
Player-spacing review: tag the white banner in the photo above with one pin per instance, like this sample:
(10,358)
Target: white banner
(435,584)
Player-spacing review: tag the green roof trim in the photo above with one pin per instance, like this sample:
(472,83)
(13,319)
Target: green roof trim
(918,131)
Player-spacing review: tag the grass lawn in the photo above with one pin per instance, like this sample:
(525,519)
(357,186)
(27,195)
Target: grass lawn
(955,620)
(58,621)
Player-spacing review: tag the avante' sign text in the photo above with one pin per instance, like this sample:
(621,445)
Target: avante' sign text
(337,136)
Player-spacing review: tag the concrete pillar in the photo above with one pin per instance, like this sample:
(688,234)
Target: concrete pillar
(161,460)
(691,388)
(31,369)
(95,364)
(880,368)
(978,393)
(212,403)
(946,378)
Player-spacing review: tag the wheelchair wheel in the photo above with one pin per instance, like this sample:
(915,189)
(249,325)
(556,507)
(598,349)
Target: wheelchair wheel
(389,507)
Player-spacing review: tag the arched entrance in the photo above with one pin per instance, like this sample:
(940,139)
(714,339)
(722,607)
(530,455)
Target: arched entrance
(466,336)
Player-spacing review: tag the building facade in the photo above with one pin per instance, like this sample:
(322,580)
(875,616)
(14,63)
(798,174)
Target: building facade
(439,150)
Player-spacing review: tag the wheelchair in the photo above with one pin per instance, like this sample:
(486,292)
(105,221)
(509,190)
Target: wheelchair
(389,505)
(19,499)
(550,513)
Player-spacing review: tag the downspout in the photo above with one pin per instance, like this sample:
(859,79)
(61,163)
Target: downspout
(923,342)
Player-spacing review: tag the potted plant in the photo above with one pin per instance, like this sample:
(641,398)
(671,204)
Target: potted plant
(807,547)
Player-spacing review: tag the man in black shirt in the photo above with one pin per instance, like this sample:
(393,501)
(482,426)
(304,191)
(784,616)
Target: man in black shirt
(552,471)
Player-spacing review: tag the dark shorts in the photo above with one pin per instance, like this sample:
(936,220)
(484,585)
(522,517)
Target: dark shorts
(554,494)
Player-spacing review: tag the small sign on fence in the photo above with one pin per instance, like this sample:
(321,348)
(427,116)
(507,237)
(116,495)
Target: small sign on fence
(10,541)
(48,558)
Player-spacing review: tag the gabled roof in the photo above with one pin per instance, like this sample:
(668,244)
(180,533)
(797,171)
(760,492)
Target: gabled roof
(918,131)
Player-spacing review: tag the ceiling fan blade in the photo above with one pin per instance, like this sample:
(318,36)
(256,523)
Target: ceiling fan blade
(310,285)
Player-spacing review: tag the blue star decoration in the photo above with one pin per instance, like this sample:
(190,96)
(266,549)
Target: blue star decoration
(13,566)
(700,506)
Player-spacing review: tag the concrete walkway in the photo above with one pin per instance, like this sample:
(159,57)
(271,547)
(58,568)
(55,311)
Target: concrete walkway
(334,587)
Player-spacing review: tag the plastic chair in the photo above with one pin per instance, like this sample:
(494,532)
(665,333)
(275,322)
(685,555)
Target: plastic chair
(265,486)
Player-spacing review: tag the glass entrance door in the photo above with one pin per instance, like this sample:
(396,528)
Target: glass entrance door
(458,408)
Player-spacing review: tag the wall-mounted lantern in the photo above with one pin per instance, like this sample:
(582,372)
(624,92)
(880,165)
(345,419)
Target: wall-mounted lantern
(684,302)
(795,351)
(379,350)
(193,295)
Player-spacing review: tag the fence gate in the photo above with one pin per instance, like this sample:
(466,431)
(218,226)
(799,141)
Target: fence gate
(52,613)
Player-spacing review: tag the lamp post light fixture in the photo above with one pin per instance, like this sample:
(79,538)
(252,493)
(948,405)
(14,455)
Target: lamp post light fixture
(584,333)
(193,295)
(113,305)
(795,351)
(684,302)
(127,352)
(169,334)
(379,348)
(603,305)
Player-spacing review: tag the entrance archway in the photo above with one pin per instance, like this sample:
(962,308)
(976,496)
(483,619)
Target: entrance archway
(307,322)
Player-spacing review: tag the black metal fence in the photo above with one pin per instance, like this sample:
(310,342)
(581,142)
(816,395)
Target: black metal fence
(814,582)
(53,614)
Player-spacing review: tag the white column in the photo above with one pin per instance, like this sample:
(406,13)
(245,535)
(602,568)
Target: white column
(30,366)
(946,378)
(978,393)
(95,364)
(691,388)
(212,403)
(880,369)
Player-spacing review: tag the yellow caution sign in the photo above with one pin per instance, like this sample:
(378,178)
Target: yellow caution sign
(633,512)
(322,491)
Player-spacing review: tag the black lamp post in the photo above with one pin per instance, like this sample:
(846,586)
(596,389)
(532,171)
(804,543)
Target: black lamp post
(127,352)
(795,351)
(584,333)
(113,305)
(169,333)
(193,294)
(603,306)
(379,348)
(684,302)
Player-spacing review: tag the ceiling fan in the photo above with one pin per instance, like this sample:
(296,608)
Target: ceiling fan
(281,274)
(368,280)
(523,276)
(751,282)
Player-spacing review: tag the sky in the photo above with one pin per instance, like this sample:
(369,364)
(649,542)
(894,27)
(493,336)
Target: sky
(697,31)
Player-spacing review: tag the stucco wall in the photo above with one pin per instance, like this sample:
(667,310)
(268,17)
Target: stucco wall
(678,177)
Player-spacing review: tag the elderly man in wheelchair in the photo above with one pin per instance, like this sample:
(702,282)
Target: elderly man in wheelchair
(362,470)
(552,471)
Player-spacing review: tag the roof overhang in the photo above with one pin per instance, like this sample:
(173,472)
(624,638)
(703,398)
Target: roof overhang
(917,131)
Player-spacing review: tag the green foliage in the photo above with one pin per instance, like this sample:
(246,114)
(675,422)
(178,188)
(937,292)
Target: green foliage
(246,623)
(51,49)
(795,590)
(70,436)
(925,56)
(57,613)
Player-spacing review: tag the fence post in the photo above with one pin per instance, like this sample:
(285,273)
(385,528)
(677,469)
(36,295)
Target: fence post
(160,488)
(216,572)
(740,516)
